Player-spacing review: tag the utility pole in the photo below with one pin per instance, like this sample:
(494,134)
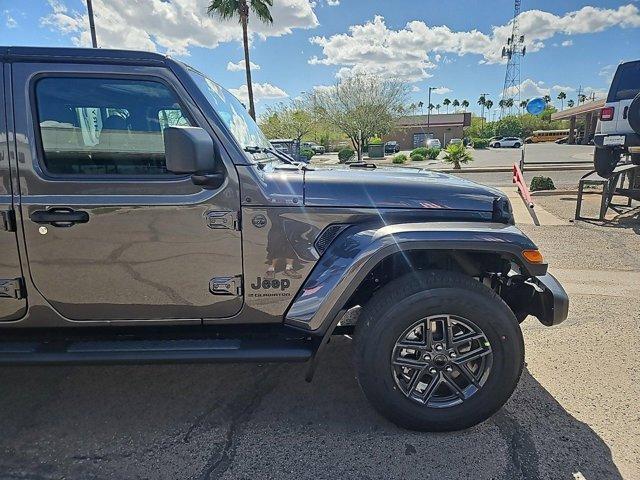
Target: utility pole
(92,26)
(513,51)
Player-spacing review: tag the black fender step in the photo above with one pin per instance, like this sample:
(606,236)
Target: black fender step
(117,351)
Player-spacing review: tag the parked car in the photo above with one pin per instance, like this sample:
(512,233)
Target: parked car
(618,130)
(433,143)
(317,149)
(223,249)
(391,147)
(514,142)
(456,141)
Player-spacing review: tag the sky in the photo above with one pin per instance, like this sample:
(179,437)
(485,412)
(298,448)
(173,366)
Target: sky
(452,45)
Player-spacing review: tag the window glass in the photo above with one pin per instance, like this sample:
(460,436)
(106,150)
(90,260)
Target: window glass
(98,126)
(628,84)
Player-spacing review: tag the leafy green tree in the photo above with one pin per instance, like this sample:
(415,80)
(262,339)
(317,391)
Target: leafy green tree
(288,120)
(228,9)
(523,105)
(446,102)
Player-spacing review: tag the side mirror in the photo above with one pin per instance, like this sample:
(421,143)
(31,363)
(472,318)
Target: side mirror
(192,150)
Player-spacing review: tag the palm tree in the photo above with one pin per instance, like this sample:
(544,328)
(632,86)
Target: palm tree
(582,98)
(228,9)
(465,104)
(488,104)
(438,107)
(561,97)
(502,104)
(547,99)
(570,103)
(456,104)
(523,104)
(482,101)
(509,104)
(431,106)
(446,102)
(457,154)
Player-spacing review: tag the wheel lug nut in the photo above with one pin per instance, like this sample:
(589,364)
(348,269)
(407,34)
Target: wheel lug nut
(427,357)
(449,369)
(439,347)
(453,355)
(432,370)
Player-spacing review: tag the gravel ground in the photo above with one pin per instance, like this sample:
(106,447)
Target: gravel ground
(575,414)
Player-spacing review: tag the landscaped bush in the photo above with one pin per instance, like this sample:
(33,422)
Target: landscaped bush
(432,153)
(307,153)
(420,151)
(417,157)
(480,142)
(541,183)
(456,155)
(346,154)
(375,141)
(400,158)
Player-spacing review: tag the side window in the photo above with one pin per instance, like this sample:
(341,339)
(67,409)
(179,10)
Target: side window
(101,126)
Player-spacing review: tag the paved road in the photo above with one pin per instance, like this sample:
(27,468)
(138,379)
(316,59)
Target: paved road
(573,416)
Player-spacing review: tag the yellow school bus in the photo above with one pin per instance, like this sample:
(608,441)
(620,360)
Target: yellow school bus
(547,135)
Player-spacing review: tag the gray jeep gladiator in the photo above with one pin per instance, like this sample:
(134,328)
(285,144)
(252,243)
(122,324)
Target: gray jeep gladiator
(146,218)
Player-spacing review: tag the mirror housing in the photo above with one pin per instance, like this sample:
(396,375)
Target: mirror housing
(189,150)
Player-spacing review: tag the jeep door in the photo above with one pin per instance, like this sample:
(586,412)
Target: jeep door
(110,233)
(12,303)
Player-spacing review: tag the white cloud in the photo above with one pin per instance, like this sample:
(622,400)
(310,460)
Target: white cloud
(561,88)
(375,48)
(9,21)
(239,66)
(173,26)
(415,89)
(595,92)
(567,43)
(261,91)
(333,3)
(441,90)
(529,89)
(607,72)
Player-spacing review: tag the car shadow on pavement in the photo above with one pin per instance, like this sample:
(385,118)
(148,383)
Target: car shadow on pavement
(252,421)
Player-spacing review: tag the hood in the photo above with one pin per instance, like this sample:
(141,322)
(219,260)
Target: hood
(395,188)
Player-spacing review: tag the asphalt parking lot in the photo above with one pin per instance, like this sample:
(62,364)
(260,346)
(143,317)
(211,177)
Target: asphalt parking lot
(575,414)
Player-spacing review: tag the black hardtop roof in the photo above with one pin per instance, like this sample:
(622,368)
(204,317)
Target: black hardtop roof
(59,54)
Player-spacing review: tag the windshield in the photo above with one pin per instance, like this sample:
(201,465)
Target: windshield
(232,112)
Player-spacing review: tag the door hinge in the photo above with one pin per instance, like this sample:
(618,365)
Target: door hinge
(226,286)
(223,220)
(12,288)
(8,220)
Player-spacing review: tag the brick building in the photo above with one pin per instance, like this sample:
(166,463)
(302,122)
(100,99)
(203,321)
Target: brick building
(412,130)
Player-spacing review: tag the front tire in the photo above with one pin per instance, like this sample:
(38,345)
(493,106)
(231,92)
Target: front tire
(516,145)
(496,145)
(472,340)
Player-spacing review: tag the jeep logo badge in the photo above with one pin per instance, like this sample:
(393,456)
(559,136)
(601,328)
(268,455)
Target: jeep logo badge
(273,283)
(259,220)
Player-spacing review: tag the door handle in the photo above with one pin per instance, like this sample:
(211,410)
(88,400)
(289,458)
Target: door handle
(59,217)
(625,112)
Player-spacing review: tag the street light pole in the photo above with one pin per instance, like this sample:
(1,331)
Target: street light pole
(429,111)
(92,26)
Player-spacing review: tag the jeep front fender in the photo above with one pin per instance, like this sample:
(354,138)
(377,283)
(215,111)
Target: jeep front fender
(357,250)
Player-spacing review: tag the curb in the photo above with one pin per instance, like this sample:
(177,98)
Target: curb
(550,193)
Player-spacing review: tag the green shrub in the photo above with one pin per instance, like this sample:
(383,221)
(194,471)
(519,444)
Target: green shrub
(480,142)
(375,141)
(432,153)
(541,183)
(346,154)
(307,153)
(417,157)
(456,155)
(400,158)
(420,151)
